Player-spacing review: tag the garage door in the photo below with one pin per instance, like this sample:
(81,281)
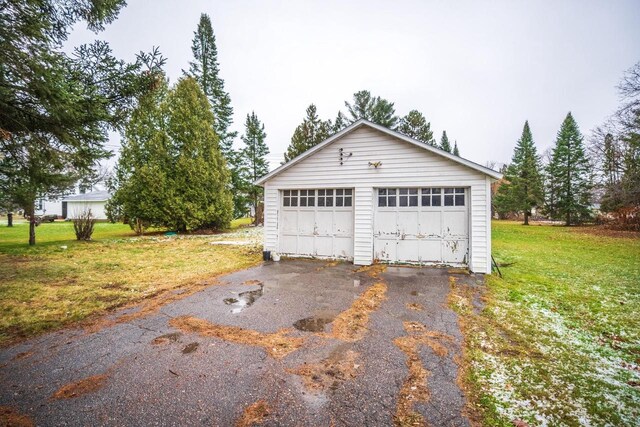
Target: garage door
(317,222)
(421,225)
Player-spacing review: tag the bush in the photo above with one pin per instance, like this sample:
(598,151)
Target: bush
(83,224)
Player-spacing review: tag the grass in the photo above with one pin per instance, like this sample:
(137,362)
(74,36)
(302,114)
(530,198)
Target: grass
(60,280)
(558,342)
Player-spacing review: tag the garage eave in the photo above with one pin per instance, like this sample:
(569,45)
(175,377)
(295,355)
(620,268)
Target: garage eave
(472,165)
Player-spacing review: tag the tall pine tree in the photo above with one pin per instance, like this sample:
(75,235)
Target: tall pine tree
(373,108)
(444,142)
(569,180)
(456,151)
(522,189)
(309,133)
(254,156)
(205,68)
(416,126)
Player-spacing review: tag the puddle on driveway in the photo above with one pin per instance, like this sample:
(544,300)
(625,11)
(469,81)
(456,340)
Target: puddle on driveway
(315,323)
(244,299)
(190,348)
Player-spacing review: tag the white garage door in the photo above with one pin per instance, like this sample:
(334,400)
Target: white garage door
(421,225)
(317,222)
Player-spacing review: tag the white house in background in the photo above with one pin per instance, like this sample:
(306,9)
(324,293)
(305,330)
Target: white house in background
(72,206)
(370,194)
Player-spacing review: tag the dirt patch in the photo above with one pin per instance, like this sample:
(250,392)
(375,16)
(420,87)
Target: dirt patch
(373,270)
(463,271)
(330,372)
(254,414)
(80,388)
(415,306)
(9,417)
(277,344)
(351,324)
(166,338)
(190,348)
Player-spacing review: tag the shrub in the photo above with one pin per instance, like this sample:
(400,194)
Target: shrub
(83,224)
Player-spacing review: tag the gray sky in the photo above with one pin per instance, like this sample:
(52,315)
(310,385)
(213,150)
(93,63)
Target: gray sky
(478,69)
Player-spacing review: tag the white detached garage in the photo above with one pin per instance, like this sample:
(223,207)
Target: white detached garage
(369,194)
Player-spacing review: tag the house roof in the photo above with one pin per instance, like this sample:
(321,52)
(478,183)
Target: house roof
(362,122)
(94,196)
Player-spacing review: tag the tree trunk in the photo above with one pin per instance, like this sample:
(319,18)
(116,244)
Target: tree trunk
(32,224)
(10,219)
(526,218)
(568,219)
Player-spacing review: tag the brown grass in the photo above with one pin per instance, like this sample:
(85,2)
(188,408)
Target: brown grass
(351,324)
(415,388)
(373,270)
(80,388)
(329,372)
(415,306)
(277,344)
(254,414)
(9,417)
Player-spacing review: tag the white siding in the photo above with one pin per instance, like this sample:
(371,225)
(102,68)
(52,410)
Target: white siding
(75,208)
(402,164)
(363,226)
(271,212)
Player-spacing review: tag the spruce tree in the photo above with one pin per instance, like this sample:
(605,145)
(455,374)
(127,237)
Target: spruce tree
(456,152)
(416,126)
(569,179)
(309,133)
(254,156)
(171,172)
(444,142)
(522,189)
(57,109)
(205,68)
(372,108)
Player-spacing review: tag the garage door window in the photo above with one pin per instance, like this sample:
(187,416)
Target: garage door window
(454,196)
(290,198)
(431,196)
(326,198)
(410,197)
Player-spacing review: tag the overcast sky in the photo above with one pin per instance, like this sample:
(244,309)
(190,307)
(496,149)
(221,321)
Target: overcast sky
(477,69)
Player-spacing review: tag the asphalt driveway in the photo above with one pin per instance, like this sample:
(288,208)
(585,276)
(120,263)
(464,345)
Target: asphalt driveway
(289,343)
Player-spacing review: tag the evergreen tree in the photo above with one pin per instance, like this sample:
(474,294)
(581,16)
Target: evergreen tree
(171,172)
(456,152)
(309,133)
(205,68)
(416,126)
(569,180)
(254,156)
(444,142)
(372,108)
(57,109)
(522,189)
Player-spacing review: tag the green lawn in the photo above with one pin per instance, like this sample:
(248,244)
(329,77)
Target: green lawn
(61,280)
(558,342)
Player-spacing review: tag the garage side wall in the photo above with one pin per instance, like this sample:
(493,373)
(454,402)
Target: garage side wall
(400,164)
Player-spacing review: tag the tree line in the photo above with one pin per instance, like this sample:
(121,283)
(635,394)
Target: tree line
(314,130)
(579,177)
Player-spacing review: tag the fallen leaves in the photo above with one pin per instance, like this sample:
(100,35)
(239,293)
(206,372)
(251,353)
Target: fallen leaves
(254,414)
(9,417)
(339,367)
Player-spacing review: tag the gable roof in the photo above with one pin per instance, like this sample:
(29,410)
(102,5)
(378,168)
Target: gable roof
(362,122)
(94,196)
